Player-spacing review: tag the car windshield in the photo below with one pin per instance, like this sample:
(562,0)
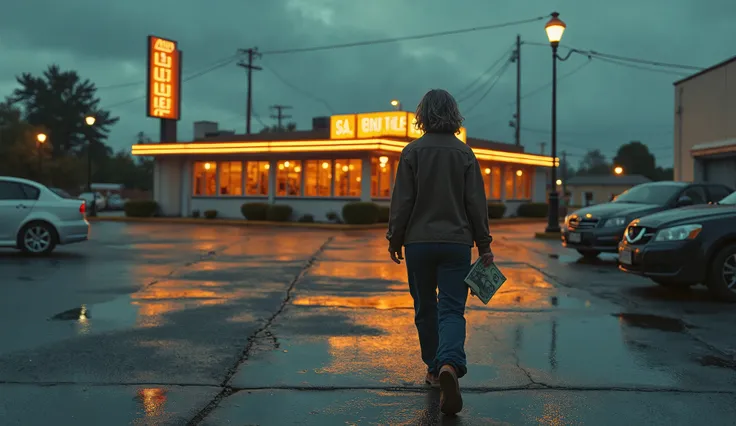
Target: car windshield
(647,193)
(61,193)
(729,200)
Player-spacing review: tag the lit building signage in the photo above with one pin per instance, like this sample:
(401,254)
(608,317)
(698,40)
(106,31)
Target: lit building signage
(378,125)
(164,79)
(342,126)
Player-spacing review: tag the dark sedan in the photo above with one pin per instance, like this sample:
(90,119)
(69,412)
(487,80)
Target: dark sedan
(683,247)
(599,228)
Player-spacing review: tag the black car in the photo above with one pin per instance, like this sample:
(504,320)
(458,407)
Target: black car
(682,247)
(599,228)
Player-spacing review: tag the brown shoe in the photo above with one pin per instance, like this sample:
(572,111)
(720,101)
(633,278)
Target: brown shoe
(432,380)
(451,401)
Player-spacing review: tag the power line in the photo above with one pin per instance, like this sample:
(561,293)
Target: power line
(495,63)
(188,78)
(211,67)
(562,77)
(499,74)
(300,90)
(622,58)
(639,67)
(398,39)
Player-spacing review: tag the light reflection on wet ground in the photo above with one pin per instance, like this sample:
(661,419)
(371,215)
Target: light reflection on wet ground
(145,308)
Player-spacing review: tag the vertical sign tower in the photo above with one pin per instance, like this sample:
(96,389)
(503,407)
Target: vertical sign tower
(164,85)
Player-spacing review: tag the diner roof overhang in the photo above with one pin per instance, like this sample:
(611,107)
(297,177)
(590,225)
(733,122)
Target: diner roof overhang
(714,148)
(321,146)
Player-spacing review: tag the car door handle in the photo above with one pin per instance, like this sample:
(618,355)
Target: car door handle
(21,206)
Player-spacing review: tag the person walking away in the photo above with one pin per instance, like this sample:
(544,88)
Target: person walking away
(438,210)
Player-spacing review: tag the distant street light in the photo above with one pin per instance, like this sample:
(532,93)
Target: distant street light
(396,104)
(559,182)
(554,28)
(41,139)
(618,170)
(90,120)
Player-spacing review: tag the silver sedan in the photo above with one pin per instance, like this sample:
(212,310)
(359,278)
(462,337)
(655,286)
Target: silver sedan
(35,219)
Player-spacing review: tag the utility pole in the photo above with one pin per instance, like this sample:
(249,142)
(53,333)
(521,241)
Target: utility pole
(517,117)
(249,67)
(564,175)
(280,114)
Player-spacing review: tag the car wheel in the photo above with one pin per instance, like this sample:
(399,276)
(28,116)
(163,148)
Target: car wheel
(589,254)
(672,285)
(722,276)
(37,238)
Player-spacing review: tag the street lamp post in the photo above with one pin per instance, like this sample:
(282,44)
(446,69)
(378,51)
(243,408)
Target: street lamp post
(41,138)
(90,121)
(396,104)
(554,28)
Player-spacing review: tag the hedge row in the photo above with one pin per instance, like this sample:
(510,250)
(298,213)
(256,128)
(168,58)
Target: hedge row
(533,210)
(265,211)
(141,208)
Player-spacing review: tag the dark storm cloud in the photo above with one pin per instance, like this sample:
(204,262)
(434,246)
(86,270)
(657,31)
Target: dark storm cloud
(601,106)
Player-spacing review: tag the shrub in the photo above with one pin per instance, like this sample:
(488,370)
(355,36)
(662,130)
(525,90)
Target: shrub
(195,213)
(333,217)
(383,214)
(278,213)
(307,218)
(533,210)
(360,213)
(496,210)
(254,211)
(210,214)
(141,208)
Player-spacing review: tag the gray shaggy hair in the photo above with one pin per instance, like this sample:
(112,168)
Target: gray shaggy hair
(438,112)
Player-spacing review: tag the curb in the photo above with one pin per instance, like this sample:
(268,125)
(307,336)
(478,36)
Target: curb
(548,235)
(253,223)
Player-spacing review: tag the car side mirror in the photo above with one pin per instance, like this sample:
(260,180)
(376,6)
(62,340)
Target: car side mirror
(684,201)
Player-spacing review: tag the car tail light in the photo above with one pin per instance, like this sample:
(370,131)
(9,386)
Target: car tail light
(83,208)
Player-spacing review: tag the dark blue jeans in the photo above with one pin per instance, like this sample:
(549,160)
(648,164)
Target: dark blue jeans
(440,320)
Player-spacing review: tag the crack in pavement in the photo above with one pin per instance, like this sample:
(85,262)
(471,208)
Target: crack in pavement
(228,390)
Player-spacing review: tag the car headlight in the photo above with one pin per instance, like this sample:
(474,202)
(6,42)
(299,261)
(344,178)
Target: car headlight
(678,233)
(616,221)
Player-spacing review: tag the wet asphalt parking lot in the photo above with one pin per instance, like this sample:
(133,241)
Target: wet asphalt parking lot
(213,325)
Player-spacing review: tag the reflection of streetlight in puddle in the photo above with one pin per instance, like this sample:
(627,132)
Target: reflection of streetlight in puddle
(153,400)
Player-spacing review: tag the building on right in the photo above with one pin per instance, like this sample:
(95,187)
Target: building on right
(705,125)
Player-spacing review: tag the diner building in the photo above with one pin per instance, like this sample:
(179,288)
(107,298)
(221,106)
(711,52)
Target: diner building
(343,158)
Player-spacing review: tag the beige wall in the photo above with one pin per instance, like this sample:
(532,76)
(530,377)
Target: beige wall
(601,194)
(705,111)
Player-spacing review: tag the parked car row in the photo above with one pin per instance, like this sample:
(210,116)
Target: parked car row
(677,234)
(112,202)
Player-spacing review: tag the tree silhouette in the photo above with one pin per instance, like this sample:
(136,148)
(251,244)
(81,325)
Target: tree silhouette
(636,159)
(594,163)
(58,101)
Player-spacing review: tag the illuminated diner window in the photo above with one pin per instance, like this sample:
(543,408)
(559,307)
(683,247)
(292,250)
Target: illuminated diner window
(317,178)
(495,193)
(380,177)
(289,178)
(523,183)
(347,178)
(508,181)
(256,178)
(231,177)
(205,178)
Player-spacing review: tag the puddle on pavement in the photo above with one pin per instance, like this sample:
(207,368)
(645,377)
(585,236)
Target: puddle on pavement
(715,361)
(653,322)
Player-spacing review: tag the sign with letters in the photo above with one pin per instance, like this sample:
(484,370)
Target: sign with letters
(342,126)
(164,79)
(377,125)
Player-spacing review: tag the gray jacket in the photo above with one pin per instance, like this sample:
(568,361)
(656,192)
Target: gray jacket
(438,196)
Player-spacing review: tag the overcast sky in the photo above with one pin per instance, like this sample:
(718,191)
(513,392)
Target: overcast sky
(601,106)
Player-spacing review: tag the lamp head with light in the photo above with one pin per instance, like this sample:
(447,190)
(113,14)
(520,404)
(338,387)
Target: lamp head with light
(555,28)
(41,137)
(395,102)
(90,120)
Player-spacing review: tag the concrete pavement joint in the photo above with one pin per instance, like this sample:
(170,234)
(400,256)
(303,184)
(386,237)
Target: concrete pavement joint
(490,389)
(227,390)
